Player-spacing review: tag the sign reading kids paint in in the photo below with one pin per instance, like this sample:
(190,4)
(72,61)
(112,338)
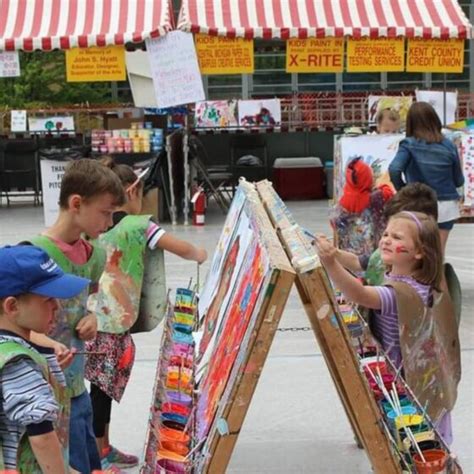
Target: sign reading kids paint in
(96,64)
(435,55)
(313,55)
(375,54)
(220,55)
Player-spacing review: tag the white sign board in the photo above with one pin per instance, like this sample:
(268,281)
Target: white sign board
(51,124)
(9,64)
(52,172)
(436,99)
(175,69)
(18,121)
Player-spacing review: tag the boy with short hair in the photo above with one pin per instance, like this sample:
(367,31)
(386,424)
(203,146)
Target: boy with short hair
(33,403)
(89,194)
(388,121)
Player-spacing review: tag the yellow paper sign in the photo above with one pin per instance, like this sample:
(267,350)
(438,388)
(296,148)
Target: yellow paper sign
(314,55)
(96,64)
(221,55)
(435,55)
(375,54)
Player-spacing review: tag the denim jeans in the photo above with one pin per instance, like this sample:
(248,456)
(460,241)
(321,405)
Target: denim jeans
(83,453)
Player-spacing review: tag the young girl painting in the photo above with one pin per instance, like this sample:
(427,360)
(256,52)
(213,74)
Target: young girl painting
(413,321)
(117,303)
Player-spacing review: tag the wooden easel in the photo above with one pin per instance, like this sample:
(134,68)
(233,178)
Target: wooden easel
(329,328)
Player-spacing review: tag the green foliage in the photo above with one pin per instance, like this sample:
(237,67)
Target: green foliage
(43,84)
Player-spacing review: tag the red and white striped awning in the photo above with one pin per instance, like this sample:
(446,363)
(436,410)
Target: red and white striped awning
(320,18)
(64,24)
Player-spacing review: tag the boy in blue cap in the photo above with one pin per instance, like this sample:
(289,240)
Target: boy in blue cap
(33,405)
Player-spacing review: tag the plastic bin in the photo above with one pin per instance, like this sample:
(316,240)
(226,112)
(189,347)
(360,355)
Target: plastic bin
(299,178)
(329,172)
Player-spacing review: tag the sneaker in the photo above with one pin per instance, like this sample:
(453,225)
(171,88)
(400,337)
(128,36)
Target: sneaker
(109,468)
(118,458)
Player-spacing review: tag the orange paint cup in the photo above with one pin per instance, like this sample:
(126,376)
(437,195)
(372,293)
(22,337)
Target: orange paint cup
(435,461)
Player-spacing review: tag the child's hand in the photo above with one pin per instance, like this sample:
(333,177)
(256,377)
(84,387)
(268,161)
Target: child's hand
(87,327)
(201,255)
(326,250)
(63,355)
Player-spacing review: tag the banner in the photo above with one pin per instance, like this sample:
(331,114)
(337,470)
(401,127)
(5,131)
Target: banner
(52,173)
(220,55)
(18,121)
(174,69)
(95,64)
(375,54)
(57,123)
(435,55)
(313,55)
(9,64)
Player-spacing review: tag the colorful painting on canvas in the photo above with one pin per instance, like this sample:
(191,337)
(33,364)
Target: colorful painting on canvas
(467,157)
(400,104)
(260,113)
(216,113)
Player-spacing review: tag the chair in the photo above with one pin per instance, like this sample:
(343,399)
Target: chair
(20,169)
(242,145)
(217,181)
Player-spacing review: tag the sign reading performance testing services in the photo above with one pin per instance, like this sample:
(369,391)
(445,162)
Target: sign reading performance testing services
(375,54)
(314,55)
(96,64)
(221,55)
(175,69)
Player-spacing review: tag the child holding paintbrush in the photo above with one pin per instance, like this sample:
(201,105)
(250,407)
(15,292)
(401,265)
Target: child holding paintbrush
(117,303)
(413,319)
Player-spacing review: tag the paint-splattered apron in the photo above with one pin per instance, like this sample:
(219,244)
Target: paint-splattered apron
(430,348)
(26,461)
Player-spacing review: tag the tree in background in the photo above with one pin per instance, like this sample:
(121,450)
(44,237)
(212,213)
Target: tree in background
(43,83)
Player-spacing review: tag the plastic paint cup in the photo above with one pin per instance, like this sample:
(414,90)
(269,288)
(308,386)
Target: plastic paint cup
(177,408)
(170,434)
(372,366)
(173,425)
(181,349)
(174,396)
(178,361)
(186,328)
(407,420)
(182,420)
(175,447)
(404,401)
(435,461)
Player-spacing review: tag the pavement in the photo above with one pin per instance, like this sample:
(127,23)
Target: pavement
(295,423)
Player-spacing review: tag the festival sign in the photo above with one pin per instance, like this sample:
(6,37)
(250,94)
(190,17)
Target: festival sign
(9,64)
(375,54)
(314,55)
(95,64)
(221,55)
(435,55)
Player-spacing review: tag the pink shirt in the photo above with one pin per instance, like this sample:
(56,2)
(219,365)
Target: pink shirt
(78,252)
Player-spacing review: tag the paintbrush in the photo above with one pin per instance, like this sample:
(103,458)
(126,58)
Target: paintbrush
(89,353)
(195,448)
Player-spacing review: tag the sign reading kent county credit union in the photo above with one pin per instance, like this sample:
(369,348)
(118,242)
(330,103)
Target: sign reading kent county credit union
(435,55)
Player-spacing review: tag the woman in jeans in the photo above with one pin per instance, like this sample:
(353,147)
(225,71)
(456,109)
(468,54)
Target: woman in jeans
(426,156)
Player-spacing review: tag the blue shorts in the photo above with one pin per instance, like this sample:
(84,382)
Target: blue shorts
(83,453)
(448,225)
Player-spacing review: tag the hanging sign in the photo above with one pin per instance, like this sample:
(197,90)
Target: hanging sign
(314,55)
(95,64)
(18,120)
(52,173)
(9,64)
(435,55)
(220,55)
(174,69)
(375,54)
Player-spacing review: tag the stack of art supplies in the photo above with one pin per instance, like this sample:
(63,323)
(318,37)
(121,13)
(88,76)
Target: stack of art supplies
(414,438)
(171,419)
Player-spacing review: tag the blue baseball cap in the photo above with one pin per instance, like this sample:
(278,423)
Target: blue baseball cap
(29,269)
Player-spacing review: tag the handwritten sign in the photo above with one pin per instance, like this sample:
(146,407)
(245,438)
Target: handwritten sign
(96,64)
(9,64)
(18,121)
(175,69)
(52,173)
(435,55)
(314,55)
(375,54)
(220,55)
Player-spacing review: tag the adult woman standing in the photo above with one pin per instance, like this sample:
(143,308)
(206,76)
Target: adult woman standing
(426,156)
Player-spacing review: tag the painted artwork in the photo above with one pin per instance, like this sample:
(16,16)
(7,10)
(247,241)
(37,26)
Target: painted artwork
(216,113)
(467,158)
(64,123)
(376,150)
(436,99)
(400,104)
(260,113)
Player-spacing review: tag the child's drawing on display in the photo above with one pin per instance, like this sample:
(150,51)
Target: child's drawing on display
(399,104)
(216,113)
(264,113)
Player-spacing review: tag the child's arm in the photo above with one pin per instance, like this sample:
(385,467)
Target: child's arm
(47,451)
(348,260)
(350,286)
(399,165)
(181,248)
(63,354)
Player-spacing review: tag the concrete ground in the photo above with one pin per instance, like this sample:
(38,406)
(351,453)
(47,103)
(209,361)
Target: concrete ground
(295,423)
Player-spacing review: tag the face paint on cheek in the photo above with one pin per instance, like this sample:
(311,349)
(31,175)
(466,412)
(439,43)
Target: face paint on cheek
(401,249)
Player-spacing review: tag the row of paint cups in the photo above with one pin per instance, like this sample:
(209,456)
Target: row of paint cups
(176,407)
(132,140)
(435,458)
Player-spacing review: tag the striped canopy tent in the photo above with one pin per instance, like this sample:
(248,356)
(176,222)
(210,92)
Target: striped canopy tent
(323,18)
(62,24)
